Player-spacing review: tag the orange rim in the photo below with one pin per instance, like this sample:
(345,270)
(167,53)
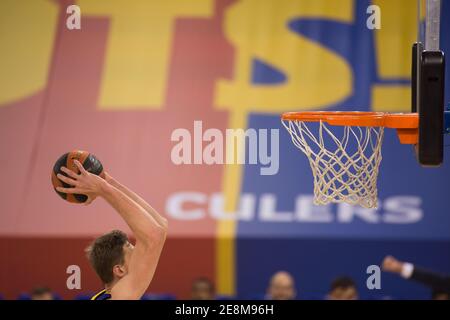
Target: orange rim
(406,123)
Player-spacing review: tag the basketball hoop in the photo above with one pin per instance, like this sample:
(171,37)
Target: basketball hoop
(345,166)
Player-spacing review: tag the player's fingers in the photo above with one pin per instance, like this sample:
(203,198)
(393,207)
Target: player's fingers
(67,180)
(80,167)
(69,190)
(69,172)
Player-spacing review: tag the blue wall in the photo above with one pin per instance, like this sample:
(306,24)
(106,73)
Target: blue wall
(315,253)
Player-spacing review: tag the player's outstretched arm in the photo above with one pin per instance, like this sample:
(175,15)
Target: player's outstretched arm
(150,238)
(150,235)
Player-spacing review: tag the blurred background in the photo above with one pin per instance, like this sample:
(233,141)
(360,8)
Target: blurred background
(138,70)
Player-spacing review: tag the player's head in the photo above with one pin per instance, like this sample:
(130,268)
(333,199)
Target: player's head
(202,289)
(281,286)
(109,255)
(343,288)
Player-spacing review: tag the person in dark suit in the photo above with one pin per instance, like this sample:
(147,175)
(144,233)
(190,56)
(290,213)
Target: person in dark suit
(440,284)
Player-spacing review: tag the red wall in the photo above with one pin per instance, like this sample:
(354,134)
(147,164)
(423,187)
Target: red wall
(28,262)
(40,235)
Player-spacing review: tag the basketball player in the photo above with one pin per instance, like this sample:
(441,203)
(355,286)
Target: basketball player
(125,270)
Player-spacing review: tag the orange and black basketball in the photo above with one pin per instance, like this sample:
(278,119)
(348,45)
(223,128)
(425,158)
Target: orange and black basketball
(89,162)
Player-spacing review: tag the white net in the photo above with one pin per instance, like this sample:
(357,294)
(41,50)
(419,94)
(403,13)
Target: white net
(344,169)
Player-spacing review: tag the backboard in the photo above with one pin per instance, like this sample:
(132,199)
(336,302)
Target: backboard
(428,84)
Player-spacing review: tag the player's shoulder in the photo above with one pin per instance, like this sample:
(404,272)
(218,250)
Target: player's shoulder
(102,295)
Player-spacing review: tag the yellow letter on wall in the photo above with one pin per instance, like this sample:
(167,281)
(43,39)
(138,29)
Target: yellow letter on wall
(138,51)
(27,33)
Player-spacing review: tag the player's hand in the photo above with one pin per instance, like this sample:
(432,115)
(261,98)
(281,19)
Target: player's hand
(391,264)
(85,183)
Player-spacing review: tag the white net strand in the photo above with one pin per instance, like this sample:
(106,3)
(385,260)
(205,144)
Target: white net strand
(344,170)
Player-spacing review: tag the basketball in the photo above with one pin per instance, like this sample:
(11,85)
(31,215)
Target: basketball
(89,162)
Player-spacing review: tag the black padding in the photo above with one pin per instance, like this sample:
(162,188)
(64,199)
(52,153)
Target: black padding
(431,108)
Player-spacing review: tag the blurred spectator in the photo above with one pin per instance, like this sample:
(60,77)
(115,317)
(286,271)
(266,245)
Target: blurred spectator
(440,284)
(439,294)
(202,289)
(343,288)
(41,293)
(281,287)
